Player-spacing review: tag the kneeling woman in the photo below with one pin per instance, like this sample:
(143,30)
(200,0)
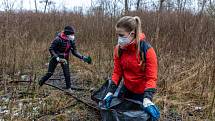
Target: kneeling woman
(135,61)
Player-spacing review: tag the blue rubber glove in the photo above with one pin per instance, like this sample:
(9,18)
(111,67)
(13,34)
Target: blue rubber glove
(151,109)
(107,100)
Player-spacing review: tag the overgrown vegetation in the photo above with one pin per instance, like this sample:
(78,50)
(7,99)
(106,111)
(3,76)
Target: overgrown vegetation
(184,43)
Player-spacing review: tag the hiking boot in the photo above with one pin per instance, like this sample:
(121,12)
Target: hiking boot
(41,82)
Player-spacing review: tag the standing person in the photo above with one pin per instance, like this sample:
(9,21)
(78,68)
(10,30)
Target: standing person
(60,48)
(135,61)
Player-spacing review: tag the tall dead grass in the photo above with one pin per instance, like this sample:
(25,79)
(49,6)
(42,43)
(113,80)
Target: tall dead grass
(185,50)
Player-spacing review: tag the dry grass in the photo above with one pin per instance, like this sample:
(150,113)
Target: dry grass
(185,50)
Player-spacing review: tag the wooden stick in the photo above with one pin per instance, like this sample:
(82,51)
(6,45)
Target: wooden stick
(73,96)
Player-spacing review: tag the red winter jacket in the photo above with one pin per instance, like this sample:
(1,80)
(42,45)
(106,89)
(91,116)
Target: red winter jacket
(137,78)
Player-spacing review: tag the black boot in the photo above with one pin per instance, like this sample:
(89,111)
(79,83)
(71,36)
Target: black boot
(45,78)
(41,82)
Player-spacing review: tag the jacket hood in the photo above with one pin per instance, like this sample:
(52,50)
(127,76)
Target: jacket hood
(63,36)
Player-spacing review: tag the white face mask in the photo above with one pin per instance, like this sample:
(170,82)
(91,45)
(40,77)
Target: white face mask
(123,41)
(71,37)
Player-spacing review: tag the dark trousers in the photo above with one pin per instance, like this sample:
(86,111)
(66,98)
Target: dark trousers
(52,65)
(124,92)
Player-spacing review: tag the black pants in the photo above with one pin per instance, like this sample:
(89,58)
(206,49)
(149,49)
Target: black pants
(124,92)
(52,65)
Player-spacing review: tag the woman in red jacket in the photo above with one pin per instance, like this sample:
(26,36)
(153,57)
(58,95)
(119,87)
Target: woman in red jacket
(135,62)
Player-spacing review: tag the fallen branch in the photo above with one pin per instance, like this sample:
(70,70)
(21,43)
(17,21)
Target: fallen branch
(20,81)
(73,96)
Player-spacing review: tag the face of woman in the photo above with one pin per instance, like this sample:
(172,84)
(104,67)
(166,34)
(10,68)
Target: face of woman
(124,37)
(122,33)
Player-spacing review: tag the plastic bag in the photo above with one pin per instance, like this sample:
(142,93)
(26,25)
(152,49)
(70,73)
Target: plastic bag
(120,109)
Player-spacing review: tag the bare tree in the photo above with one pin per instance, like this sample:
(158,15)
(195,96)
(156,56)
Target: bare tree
(114,7)
(8,5)
(35,3)
(126,6)
(203,6)
(21,5)
(179,5)
(46,3)
(158,18)
(138,4)
(210,2)
(211,9)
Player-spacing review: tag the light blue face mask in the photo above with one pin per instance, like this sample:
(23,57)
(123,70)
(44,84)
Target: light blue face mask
(122,41)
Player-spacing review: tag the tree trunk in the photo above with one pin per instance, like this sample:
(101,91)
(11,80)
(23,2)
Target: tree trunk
(45,5)
(126,6)
(203,6)
(114,8)
(35,3)
(138,4)
(158,19)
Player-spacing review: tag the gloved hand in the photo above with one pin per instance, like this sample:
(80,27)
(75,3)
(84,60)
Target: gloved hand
(87,59)
(61,60)
(107,100)
(151,109)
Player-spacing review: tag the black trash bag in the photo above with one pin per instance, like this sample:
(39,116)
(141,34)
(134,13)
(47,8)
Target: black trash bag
(99,94)
(120,109)
(123,110)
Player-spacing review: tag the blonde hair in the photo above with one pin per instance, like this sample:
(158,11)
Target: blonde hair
(130,24)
